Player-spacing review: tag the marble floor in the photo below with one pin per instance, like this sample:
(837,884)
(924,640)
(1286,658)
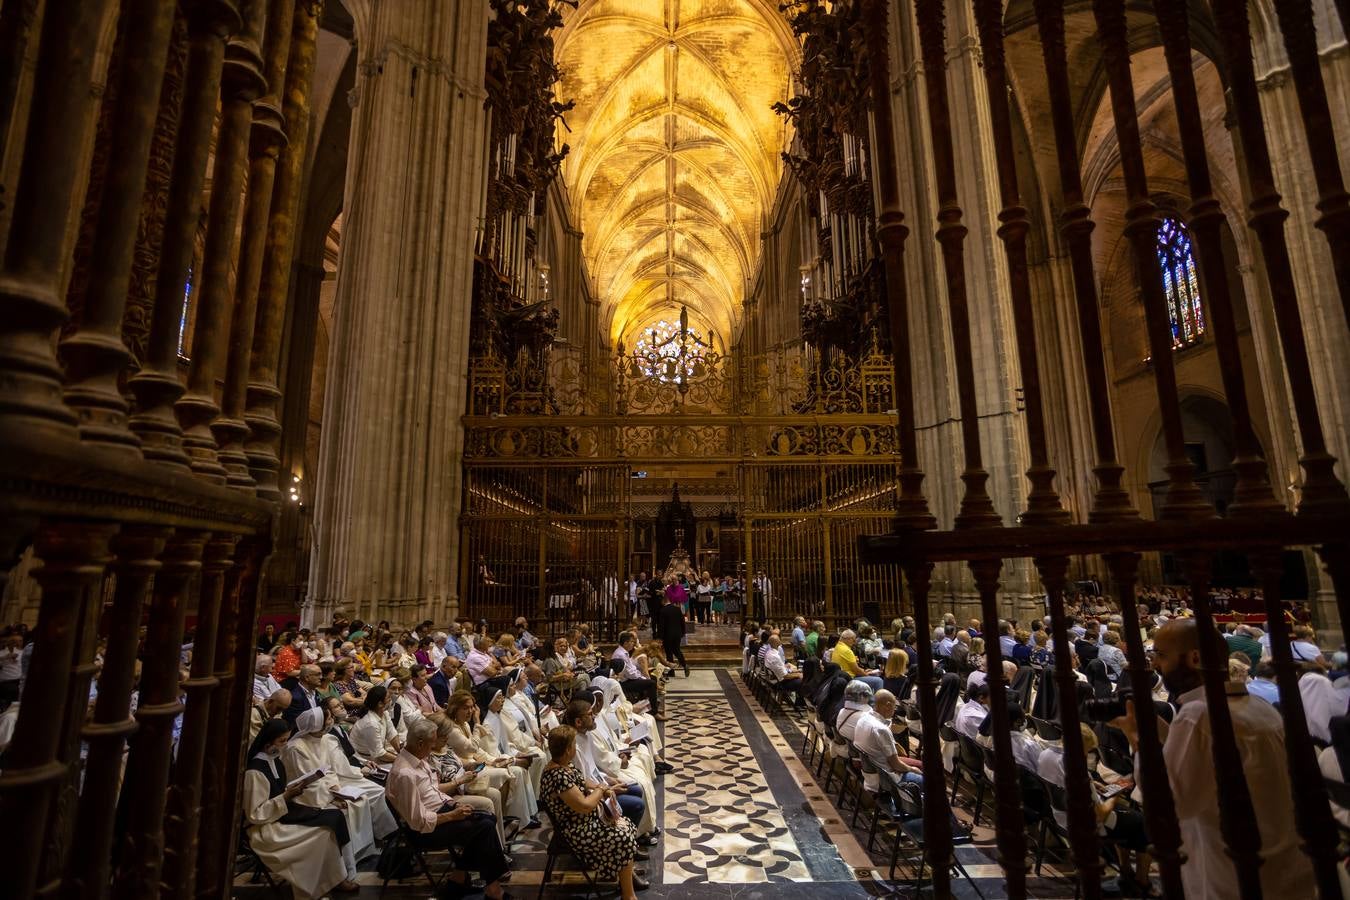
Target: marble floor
(742,817)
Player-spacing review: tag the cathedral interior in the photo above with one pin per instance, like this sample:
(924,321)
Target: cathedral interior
(452,310)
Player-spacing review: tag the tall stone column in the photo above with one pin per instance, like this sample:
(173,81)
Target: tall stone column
(388,498)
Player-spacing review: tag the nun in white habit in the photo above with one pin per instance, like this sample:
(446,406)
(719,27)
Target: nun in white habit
(312,747)
(308,847)
(522,803)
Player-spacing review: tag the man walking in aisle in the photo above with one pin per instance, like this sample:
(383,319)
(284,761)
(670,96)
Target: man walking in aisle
(670,629)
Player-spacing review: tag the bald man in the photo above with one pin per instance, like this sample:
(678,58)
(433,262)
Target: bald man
(1187,750)
(270,708)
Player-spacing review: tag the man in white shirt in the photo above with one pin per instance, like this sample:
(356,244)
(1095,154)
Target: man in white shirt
(972,713)
(437,652)
(857,703)
(634,686)
(435,819)
(872,735)
(1208,871)
(264,685)
(11,668)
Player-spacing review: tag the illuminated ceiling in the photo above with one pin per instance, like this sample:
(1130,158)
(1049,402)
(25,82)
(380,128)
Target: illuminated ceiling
(675,150)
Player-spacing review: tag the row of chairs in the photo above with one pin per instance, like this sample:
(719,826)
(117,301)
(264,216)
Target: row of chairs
(768,692)
(896,811)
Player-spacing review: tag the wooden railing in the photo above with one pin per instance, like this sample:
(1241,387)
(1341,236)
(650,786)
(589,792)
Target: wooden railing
(125,480)
(1186,524)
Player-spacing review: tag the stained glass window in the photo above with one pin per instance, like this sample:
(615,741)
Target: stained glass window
(1180,283)
(183,315)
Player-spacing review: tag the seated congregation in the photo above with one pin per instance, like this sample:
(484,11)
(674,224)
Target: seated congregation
(856,696)
(372,744)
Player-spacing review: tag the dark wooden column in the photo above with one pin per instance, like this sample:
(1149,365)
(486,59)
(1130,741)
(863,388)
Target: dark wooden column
(1312,812)
(1237,816)
(31,401)
(1010,826)
(1319,128)
(1322,490)
(265,145)
(1160,814)
(94,354)
(1205,219)
(977,509)
(140,844)
(1183,499)
(16,25)
(241,84)
(1082,813)
(156,386)
(937,822)
(137,550)
(912,508)
(1110,502)
(263,392)
(184,797)
(74,556)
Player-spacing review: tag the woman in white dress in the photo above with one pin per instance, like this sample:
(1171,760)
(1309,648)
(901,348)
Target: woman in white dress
(374,736)
(507,718)
(312,747)
(307,846)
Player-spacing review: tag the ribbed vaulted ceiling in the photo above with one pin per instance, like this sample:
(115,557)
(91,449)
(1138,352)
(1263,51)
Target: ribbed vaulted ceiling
(675,150)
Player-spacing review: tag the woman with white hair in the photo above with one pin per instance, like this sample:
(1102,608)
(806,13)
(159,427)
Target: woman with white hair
(308,750)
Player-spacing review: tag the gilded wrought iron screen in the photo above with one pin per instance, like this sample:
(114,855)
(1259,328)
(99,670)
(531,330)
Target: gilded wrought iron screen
(793,455)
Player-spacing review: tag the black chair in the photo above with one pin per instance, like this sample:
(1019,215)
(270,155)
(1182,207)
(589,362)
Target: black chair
(969,766)
(909,799)
(404,841)
(558,847)
(1048,730)
(247,862)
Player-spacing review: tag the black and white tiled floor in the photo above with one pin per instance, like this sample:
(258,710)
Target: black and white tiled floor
(742,817)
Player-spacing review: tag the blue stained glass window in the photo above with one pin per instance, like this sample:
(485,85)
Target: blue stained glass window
(183,315)
(1180,283)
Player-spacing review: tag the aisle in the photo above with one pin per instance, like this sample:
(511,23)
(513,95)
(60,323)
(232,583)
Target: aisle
(734,813)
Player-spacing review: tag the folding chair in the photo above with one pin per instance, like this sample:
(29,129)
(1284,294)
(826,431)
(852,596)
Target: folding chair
(969,765)
(558,846)
(405,839)
(247,861)
(909,797)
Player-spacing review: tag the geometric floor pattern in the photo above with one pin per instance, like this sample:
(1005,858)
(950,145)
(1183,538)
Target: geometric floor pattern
(722,823)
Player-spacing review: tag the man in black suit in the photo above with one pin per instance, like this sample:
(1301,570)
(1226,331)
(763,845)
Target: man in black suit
(303,692)
(670,628)
(443,682)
